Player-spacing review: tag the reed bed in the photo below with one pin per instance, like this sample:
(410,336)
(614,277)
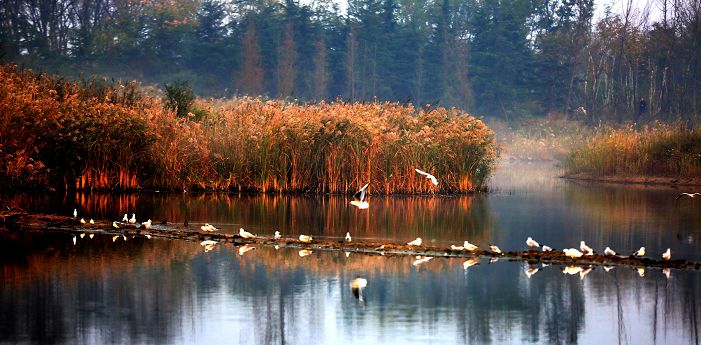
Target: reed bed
(103,135)
(655,150)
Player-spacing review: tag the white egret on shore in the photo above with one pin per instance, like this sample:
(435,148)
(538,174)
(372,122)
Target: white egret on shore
(667,255)
(640,252)
(277,235)
(146,224)
(348,237)
(609,252)
(82,221)
(75,213)
(416,242)
(92,221)
(532,243)
(573,253)
(245,234)
(547,249)
(584,247)
(469,246)
(132,220)
(494,249)
(125,219)
(305,238)
(433,179)
(359,198)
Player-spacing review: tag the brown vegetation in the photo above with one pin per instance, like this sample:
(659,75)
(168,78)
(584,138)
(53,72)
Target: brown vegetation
(101,135)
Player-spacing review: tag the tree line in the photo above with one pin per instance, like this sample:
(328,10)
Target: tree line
(489,57)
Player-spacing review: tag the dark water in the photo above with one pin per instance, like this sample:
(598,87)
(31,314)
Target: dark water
(158,291)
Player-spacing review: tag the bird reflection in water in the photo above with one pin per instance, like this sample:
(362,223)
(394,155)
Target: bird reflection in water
(357,285)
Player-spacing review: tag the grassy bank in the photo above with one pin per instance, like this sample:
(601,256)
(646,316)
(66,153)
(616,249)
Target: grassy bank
(653,151)
(106,135)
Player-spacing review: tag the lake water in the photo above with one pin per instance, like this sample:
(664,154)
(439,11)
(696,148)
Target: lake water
(160,291)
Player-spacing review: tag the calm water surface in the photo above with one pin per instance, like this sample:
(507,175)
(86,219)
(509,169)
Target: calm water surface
(159,291)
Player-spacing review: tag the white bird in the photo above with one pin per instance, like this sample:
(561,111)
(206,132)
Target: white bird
(547,249)
(589,253)
(572,270)
(74,240)
(584,247)
(82,235)
(494,249)
(421,260)
(641,271)
(469,263)
(245,248)
(416,242)
(277,235)
(146,224)
(75,213)
(532,243)
(133,219)
(125,218)
(428,176)
(530,271)
(82,221)
(573,253)
(245,234)
(457,248)
(359,198)
(208,227)
(114,224)
(667,272)
(667,255)
(305,238)
(348,237)
(469,246)
(305,252)
(691,195)
(609,252)
(92,221)
(91,236)
(640,252)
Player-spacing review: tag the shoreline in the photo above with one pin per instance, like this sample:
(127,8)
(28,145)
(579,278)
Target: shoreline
(636,180)
(23,221)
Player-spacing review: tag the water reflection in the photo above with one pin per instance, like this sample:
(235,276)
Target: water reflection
(161,291)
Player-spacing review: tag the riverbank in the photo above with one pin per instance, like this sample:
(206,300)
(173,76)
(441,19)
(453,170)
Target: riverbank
(636,180)
(24,221)
(107,135)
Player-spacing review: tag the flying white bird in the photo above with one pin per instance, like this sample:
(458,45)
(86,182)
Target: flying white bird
(609,252)
(416,242)
(573,253)
(469,263)
(584,247)
(667,272)
(531,243)
(640,252)
(277,235)
(359,198)
(494,249)
(348,237)
(305,238)
(92,221)
(75,213)
(691,195)
(132,220)
(547,249)
(667,255)
(114,224)
(245,248)
(421,260)
(304,252)
(469,246)
(245,234)
(428,176)
(125,219)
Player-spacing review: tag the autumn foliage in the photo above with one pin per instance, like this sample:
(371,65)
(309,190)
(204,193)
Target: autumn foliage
(105,135)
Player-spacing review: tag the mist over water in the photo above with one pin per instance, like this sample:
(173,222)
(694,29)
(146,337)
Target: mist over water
(161,291)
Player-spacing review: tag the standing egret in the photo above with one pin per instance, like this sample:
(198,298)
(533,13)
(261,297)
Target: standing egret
(667,255)
(494,249)
(359,198)
(245,234)
(640,252)
(277,235)
(416,242)
(82,221)
(609,252)
(584,247)
(125,219)
(132,220)
(92,221)
(348,237)
(532,243)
